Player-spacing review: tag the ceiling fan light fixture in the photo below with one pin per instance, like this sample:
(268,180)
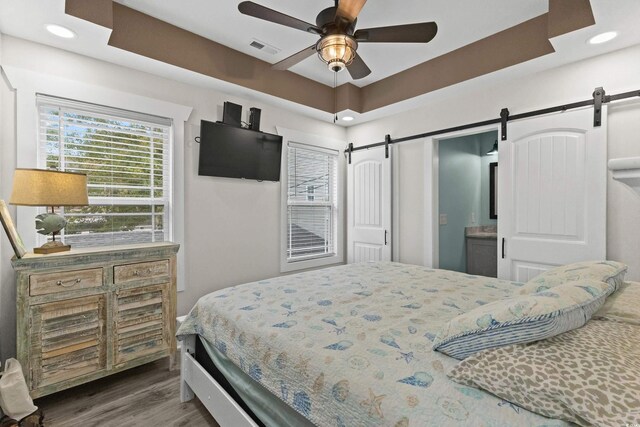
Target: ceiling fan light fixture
(337,51)
(339,38)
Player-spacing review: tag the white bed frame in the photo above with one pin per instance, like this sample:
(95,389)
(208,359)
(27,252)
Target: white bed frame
(195,381)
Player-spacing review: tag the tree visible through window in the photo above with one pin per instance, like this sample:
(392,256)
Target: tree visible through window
(127,159)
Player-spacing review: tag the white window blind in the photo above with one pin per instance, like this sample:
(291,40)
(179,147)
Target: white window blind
(127,159)
(311,202)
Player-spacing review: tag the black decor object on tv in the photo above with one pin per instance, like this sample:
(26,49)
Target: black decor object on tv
(254,118)
(232,152)
(232,114)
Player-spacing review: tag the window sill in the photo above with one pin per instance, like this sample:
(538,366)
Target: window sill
(287,267)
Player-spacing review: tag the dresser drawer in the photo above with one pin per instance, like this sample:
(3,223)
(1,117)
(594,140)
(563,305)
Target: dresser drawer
(62,281)
(141,271)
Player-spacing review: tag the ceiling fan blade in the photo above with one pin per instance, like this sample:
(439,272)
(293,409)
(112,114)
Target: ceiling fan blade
(289,62)
(410,33)
(350,9)
(358,69)
(257,11)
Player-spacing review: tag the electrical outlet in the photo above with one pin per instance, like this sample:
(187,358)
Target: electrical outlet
(443,219)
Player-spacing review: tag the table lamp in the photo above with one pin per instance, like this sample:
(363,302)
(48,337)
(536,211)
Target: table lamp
(50,188)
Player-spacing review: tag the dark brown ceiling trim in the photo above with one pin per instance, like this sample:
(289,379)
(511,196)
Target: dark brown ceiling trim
(566,16)
(99,12)
(349,98)
(142,34)
(515,45)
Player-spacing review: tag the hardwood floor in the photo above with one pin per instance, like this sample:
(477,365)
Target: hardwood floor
(145,396)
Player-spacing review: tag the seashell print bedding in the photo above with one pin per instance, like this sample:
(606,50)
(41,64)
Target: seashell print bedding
(351,345)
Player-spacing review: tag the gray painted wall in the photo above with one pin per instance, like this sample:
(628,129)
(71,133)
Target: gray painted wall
(459,197)
(485,143)
(463,190)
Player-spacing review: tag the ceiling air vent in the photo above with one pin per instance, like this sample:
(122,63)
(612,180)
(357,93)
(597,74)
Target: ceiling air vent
(266,48)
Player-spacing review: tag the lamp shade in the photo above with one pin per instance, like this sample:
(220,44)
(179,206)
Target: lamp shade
(40,187)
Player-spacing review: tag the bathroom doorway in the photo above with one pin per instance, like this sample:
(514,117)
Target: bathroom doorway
(467,203)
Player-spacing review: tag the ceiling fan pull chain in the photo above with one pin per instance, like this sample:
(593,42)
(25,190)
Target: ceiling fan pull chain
(335,96)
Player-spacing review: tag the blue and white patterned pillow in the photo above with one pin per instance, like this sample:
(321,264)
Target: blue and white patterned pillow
(523,318)
(605,271)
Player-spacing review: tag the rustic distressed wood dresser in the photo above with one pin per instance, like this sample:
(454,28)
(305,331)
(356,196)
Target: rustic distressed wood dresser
(88,313)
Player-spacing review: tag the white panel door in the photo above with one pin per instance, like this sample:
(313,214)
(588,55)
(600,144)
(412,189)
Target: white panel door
(369,206)
(552,193)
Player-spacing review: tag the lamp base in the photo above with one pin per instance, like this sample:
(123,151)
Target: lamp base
(52,248)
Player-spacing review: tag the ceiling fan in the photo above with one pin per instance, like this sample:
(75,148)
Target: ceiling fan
(339,39)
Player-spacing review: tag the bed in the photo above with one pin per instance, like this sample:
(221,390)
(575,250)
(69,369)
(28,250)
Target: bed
(343,346)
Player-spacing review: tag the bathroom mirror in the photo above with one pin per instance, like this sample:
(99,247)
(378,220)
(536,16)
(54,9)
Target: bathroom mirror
(493,190)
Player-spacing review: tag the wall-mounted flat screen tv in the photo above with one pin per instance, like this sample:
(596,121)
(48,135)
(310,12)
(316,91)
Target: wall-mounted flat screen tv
(233,152)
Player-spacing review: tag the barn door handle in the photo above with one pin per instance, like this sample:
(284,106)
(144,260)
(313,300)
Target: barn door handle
(385,237)
(503,239)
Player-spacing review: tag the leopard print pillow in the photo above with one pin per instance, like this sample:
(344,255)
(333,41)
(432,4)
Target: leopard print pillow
(589,376)
(623,306)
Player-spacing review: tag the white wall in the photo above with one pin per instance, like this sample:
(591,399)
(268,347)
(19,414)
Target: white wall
(408,175)
(7,163)
(616,72)
(2,249)
(623,208)
(231,226)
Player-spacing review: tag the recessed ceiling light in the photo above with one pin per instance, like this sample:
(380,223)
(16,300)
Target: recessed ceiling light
(347,118)
(603,38)
(60,31)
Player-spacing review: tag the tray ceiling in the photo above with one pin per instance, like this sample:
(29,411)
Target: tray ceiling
(474,54)
(460,23)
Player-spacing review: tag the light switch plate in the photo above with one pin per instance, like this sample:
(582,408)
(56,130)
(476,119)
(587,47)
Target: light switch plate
(443,219)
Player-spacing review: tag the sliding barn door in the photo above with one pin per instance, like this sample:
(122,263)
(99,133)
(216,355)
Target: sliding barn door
(369,206)
(552,200)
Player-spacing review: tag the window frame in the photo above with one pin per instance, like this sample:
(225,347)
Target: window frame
(320,144)
(99,111)
(332,203)
(27,84)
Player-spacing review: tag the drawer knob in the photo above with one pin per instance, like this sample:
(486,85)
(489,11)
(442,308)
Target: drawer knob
(68,283)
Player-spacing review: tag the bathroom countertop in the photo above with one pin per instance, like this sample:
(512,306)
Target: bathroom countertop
(483,236)
(482,232)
